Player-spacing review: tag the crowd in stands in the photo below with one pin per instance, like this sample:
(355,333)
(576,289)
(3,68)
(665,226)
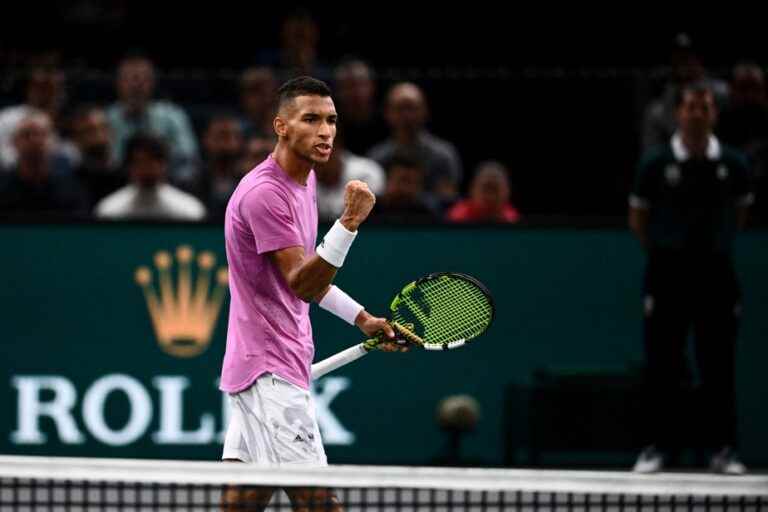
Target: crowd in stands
(140,158)
(145,157)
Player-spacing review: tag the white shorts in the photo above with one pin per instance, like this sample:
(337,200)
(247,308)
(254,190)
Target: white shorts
(273,422)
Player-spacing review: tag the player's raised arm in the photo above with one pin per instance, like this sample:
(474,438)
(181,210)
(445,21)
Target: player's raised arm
(310,277)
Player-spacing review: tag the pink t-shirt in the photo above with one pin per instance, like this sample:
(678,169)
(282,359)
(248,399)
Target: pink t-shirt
(269,328)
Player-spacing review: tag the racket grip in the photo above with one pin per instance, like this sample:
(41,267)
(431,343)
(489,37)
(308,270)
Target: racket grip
(338,360)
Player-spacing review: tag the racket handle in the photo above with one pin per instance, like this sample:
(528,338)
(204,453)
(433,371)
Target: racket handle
(338,360)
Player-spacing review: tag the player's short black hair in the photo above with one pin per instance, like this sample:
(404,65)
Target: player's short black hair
(696,88)
(153,145)
(301,86)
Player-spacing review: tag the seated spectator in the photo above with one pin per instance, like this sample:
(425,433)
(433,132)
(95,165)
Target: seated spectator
(744,124)
(333,176)
(659,121)
(296,50)
(97,171)
(136,111)
(488,197)
(257,149)
(745,119)
(299,39)
(355,95)
(404,199)
(258,96)
(33,185)
(45,92)
(223,144)
(148,196)
(406,114)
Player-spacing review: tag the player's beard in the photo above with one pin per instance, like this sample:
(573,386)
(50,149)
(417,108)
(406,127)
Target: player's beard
(308,156)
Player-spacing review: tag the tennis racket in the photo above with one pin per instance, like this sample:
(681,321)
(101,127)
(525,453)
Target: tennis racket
(440,311)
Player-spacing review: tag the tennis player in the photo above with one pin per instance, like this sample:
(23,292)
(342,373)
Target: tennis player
(275,271)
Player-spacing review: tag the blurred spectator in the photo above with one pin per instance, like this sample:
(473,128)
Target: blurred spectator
(488,197)
(148,196)
(34,185)
(45,92)
(299,37)
(744,124)
(297,51)
(257,149)
(404,199)
(97,171)
(355,96)
(659,120)
(223,143)
(406,114)
(333,176)
(136,111)
(258,94)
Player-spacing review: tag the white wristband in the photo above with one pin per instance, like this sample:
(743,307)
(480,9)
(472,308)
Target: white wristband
(336,244)
(341,305)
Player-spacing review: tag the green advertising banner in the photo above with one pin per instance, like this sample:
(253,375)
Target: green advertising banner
(113,337)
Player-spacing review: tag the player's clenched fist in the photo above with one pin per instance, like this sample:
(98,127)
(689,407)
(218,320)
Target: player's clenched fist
(358,203)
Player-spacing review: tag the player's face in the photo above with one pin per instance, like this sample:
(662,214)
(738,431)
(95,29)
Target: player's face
(310,127)
(697,113)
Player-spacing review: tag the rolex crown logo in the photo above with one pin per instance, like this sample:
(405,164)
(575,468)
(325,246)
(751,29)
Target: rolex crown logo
(183,318)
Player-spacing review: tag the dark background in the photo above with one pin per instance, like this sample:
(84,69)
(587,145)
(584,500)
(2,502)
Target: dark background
(557,100)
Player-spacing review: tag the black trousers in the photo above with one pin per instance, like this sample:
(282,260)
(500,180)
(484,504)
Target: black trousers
(687,291)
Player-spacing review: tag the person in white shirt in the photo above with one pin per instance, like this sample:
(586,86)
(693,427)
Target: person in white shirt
(341,168)
(148,196)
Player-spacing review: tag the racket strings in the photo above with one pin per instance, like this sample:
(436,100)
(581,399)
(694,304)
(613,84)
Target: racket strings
(457,309)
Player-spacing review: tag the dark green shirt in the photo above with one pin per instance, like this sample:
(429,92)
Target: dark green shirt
(692,202)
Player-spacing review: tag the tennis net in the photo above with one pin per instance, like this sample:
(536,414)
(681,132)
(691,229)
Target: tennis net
(73,484)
